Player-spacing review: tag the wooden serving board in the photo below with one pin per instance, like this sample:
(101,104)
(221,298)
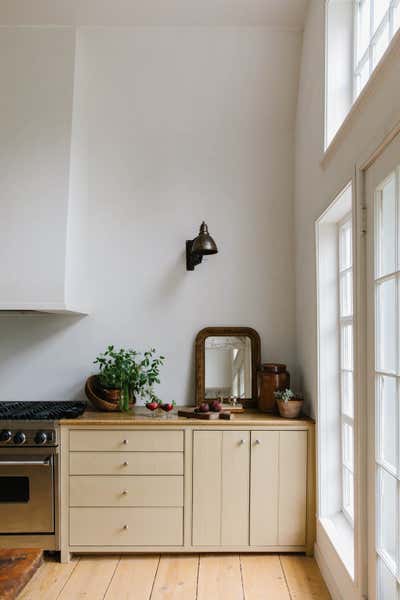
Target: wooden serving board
(190,413)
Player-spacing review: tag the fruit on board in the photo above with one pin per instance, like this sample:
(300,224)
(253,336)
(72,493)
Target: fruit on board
(216,406)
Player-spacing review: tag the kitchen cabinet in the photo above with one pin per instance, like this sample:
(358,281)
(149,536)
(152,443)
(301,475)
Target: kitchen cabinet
(221,461)
(278,509)
(131,484)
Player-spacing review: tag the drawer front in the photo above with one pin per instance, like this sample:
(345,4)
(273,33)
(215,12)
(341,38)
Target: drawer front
(126,527)
(126,491)
(126,463)
(127,441)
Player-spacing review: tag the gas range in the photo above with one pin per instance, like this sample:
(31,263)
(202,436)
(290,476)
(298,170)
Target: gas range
(29,472)
(28,434)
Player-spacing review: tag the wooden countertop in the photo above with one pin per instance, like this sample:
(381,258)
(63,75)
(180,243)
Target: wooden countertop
(140,416)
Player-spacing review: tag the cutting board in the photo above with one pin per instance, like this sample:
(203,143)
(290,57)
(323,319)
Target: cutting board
(190,413)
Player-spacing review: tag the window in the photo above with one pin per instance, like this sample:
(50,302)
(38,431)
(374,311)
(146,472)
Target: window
(387,382)
(336,384)
(345,278)
(358,33)
(376,22)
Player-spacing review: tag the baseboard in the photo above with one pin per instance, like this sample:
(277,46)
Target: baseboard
(327,575)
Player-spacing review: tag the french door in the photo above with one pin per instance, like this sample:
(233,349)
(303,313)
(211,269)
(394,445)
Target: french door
(382,186)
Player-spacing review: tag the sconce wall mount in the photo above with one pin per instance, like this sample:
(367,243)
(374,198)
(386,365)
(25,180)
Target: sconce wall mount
(201,246)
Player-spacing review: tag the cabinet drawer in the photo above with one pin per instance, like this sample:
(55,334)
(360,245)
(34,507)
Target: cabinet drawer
(128,441)
(126,491)
(126,463)
(126,527)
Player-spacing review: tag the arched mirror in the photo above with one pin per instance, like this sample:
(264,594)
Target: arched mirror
(227,359)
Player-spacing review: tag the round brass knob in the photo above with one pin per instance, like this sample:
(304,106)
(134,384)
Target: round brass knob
(125,441)
(125,526)
(126,463)
(125,492)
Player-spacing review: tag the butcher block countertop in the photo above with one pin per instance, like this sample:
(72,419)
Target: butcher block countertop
(141,416)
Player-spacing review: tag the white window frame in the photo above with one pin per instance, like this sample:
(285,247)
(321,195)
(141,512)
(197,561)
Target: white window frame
(343,321)
(368,56)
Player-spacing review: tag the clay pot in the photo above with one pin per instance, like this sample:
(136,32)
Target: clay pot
(271,378)
(290,409)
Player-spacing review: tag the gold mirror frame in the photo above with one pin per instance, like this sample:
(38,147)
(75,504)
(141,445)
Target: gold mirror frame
(200,359)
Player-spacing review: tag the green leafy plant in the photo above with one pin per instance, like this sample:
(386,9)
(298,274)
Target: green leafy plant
(286,395)
(130,371)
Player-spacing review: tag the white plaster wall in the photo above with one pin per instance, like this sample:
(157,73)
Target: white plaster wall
(182,124)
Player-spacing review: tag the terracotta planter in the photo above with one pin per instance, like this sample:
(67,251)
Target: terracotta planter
(290,409)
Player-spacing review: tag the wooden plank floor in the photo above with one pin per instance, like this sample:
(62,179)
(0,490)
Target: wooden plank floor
(179,577)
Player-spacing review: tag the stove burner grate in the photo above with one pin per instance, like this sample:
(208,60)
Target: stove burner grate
(41,410)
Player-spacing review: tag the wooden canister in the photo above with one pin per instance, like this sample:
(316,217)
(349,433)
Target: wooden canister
(271,378)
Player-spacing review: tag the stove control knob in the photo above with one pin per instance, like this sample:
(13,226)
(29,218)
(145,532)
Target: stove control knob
(5,435)
(41,437)
(19,438)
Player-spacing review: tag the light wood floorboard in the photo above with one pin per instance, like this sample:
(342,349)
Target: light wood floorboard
(263,577)
(91,578)
(304,578)
(133,578)
(48,581)
(220,577)
(176,578)
(179,577)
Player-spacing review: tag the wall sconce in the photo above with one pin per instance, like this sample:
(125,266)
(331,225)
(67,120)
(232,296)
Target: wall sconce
(202,245)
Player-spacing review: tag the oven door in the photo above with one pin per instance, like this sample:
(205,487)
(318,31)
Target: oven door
(26,492)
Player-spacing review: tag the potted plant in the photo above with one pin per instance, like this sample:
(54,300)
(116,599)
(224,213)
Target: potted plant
(123,375)
(289,403)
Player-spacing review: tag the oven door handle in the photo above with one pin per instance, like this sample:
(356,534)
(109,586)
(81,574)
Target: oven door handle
(44,463)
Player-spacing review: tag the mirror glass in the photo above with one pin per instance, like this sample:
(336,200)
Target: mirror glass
(228,369)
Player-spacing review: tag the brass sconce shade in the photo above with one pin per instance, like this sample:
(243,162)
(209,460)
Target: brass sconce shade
(201,245)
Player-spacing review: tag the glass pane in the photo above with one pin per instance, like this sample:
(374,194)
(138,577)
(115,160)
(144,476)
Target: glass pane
(346,294)
(345,246)
(381,43)
(386,326)
(386,582)
(396,18)
(386,228)
(363,75)
(348,446)
(387,419)
(363,28)
(348,492)
(387,506)
(347,394)
(380,9)
(14,489)
(347,346)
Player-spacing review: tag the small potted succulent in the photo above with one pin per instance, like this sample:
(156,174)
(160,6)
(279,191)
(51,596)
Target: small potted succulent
(289,403)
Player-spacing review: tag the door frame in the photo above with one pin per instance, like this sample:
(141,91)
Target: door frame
(365,334)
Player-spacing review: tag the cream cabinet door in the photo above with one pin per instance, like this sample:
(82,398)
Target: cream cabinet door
(264,488)
(292,488)
(278,495)
(221,466)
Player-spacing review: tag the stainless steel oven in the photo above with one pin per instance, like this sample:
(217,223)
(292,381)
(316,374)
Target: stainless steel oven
(28,478)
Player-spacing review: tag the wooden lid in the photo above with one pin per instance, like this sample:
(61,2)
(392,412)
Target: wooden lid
(273,368)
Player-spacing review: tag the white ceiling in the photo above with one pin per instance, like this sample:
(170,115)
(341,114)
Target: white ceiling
(280,14)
